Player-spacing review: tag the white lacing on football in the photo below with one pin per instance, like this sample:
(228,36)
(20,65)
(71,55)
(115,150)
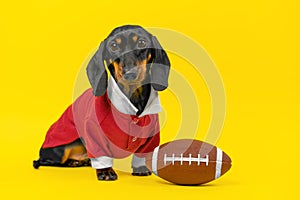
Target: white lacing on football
(182,159)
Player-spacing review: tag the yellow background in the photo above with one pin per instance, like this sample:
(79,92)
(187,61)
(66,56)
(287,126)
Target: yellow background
(255,45)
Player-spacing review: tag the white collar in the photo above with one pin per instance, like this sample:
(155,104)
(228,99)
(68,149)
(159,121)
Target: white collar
(124,105)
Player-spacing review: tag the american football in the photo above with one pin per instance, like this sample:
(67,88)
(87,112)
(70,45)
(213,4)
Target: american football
(188,162)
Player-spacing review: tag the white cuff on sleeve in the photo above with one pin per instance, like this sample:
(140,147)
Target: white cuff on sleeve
(102,162)
(138,162)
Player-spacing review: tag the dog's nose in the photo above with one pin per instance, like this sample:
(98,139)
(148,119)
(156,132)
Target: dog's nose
(131,74)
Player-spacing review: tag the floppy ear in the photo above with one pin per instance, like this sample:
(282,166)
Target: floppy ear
(160,67)
(96,72)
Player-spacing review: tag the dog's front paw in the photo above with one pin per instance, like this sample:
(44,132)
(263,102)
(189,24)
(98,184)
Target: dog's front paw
(141,171)
(106,174)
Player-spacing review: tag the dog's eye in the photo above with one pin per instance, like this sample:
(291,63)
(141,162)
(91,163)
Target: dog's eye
(114,46)
(142,43)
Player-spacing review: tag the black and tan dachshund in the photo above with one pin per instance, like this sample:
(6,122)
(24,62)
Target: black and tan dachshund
(139,67)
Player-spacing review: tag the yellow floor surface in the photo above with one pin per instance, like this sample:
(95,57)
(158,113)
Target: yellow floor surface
(254,44)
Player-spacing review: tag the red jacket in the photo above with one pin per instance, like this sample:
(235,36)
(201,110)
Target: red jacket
(105,130)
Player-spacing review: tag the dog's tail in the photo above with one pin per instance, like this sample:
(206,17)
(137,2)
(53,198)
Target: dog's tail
(42,162)
(68,163)
(39,162)
(36,164)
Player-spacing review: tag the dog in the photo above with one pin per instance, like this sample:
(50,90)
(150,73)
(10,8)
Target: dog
(118,115)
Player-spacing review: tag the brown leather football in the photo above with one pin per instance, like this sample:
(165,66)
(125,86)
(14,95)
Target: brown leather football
(188,162)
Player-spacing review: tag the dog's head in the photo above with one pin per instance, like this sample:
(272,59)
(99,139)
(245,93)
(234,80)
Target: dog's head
(134,58)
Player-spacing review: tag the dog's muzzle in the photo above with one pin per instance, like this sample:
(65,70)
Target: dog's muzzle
(130,74)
